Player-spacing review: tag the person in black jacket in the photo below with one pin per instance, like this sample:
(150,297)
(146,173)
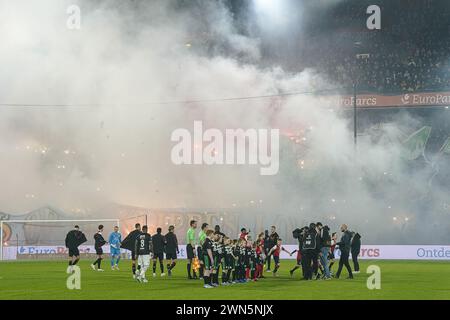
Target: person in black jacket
(356,248)
(344,247)
(171,249)
(311,248)
(74,239)
(267,248)
(299,233)
(159,242)
(302,252)
(273,240)
(99,242)
(129,244)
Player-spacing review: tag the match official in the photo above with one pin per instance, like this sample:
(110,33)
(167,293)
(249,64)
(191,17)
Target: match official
(344,247)
(190,248)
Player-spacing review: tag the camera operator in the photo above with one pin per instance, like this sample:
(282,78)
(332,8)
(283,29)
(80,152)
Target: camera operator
(302,252)
(311,250)
(344,247)
(325,244)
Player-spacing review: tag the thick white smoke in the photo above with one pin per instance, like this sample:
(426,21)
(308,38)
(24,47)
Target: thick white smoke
(113,143)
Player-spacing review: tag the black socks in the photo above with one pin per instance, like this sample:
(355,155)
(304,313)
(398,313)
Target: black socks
(98,262)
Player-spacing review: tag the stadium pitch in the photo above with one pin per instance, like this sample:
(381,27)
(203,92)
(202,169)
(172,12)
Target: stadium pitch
(47,280)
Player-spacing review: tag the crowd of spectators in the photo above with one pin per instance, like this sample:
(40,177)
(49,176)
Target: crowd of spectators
(411,52)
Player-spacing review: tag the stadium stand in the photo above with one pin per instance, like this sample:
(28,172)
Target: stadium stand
(409,54)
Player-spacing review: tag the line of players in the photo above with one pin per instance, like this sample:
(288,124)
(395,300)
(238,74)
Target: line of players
(240,260)
(142,245)
(145,247)
(243,259)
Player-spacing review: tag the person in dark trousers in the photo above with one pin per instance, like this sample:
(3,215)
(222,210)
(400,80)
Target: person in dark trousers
(344,246)
(356,248)
(311,249)
(201,239)
(191,243)
(273,240)
(171,249)
(129,244)
(300,261)
(99,242)
(74,239)
(305,230)
(331,256)
(143,249)
(159,243)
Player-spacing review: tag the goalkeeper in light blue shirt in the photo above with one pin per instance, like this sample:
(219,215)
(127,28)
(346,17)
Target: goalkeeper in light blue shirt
(115,239)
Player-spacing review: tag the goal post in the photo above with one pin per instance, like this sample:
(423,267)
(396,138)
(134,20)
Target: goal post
(45,238)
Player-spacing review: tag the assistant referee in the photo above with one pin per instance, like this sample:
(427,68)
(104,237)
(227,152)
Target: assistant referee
(190,247)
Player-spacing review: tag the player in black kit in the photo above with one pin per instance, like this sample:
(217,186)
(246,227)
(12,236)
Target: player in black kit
(218,250)
(171,249)
(235,252)
(99,242)
(228,260)
(240,268)
(129,244)
(208,258)
(158,251)
(143,248)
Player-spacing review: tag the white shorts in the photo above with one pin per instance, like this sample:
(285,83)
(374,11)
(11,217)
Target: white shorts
(144,260)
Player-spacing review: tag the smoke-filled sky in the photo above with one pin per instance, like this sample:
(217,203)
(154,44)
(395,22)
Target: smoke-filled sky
(112,144)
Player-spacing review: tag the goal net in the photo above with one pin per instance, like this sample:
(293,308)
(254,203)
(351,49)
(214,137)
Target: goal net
(45,239)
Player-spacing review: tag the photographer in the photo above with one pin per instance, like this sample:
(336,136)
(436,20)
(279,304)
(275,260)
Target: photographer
(310,251)
(302,252)
(298,234)
(325,244)
(344,247)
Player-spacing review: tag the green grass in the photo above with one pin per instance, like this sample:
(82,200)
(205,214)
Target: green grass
(47,280)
